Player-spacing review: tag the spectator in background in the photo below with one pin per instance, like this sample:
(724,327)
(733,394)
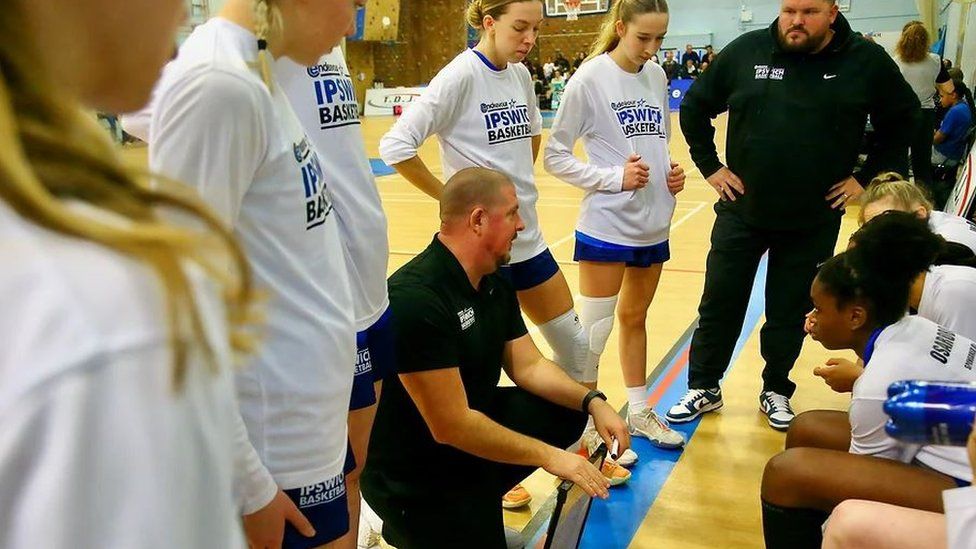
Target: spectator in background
(704,66)
(924,73)
(655,59)
(561,62)
(950,138)
(580,57)
(670,66)
(709,56)
(689,71)
(690,54)
(556,87)
(947,63)
(549,69)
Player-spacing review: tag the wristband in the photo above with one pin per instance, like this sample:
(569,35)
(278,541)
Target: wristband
(589,397)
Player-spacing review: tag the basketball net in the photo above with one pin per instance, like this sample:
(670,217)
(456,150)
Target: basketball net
(572,9)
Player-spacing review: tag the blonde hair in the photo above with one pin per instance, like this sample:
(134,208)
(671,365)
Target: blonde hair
(913,44)
(625,11)
(906,196)
(52,152)
(479,9)
(267,21)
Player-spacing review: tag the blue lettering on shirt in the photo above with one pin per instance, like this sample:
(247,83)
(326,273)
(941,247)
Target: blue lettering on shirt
(506,121)
(638,118)
(335,96)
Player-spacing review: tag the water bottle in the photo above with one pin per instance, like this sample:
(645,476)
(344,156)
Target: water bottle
(931,412)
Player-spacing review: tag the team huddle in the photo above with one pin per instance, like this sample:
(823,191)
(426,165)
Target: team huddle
(353,393)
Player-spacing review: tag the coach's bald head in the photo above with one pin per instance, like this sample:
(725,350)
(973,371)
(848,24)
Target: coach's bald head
(480,218)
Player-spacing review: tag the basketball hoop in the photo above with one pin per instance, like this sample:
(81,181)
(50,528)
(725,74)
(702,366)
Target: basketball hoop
(572,9)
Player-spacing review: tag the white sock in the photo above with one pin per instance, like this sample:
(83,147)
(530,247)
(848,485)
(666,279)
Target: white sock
(568,341)
(637,399)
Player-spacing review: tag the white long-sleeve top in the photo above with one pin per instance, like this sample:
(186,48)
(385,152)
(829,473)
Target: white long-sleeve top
(616,114)
(913,348)
(949,298)
(960,513)
(953,228)
(482,118)
(324,100)
(217,127)
(98,449)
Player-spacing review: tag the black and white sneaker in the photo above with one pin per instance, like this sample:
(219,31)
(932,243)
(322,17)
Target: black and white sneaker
(777,409)
(695,403)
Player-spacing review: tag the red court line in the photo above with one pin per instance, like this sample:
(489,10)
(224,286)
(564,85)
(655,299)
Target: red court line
(669,378)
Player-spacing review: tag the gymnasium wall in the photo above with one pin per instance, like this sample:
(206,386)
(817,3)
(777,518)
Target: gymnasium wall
(558,34)
(431,33)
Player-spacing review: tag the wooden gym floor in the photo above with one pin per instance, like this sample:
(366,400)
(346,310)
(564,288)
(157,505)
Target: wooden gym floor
(707,495)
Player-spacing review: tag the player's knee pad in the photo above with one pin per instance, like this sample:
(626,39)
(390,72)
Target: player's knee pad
(596,315)
(568,341)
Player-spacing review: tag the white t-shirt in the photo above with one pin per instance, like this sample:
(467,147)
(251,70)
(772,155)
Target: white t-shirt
(960,512)
(97,447)
(617,114)
(216,126)
(911,349)
(483,118)
(949,298)
(953,228)
(921,77)
(324,99)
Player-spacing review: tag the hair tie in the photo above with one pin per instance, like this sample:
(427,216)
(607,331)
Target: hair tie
(262,44)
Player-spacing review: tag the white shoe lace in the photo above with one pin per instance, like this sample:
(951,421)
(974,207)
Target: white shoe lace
(778,403)
(690,396)
(649,415)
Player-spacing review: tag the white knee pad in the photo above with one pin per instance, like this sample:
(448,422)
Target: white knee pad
(568,341)
(596,315)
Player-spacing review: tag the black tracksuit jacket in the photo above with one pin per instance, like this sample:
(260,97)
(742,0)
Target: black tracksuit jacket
(796,121)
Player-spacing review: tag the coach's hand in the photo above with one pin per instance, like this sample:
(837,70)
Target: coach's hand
(844,192)
(676,179)
(265,528)
(726,184)
(609,425)
(578,470)
(636,174)
(839,374)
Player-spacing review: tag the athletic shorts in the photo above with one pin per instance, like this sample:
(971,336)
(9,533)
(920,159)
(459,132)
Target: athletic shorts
(325,504)
(374,361)
(531,272)
(594,249)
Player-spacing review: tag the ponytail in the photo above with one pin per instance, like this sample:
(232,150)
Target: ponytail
(625,11)
(266,21)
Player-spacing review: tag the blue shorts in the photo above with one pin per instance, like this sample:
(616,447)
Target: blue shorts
(325,505)
(531,272)
(593,249)
(374,361)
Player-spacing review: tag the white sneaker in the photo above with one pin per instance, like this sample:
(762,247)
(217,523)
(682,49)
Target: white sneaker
(695,403)
(647,424)
(370,527)
(777,409)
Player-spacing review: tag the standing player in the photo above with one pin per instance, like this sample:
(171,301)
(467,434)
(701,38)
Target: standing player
(221,122)
(618,104)
(324,99)
(483,110)
(118,413)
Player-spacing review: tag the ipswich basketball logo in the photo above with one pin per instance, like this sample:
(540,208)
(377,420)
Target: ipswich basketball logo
(318,203)
(638,118)
(506,121)
(335,96)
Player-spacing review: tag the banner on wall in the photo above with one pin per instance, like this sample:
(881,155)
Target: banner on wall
(961,200)
(678,90)
(380,101)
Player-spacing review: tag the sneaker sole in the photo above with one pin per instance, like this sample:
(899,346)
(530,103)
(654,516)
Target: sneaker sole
(705,409)
(515,505)
(618,480)
(656,442)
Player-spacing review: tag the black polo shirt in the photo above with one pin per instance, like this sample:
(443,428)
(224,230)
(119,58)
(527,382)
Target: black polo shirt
(440,321)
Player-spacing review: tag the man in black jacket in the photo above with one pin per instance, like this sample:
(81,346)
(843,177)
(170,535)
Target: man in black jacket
(798,95)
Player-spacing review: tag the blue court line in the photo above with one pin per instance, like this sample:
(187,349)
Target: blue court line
(380,168)
(614,522)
